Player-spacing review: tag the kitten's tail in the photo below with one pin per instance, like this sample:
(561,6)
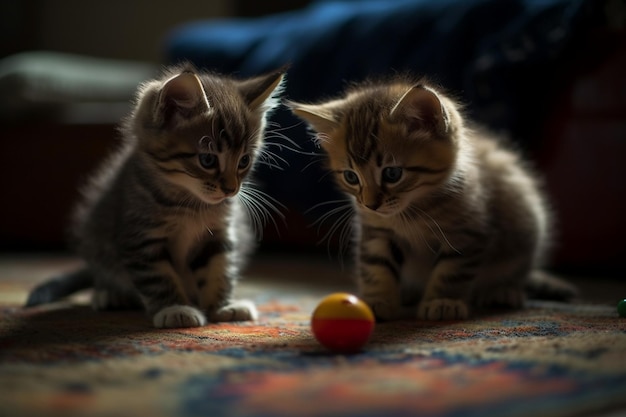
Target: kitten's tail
(542,285)
(59,287)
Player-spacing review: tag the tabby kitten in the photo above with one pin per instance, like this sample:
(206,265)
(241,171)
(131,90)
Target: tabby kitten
(161,226)
(446,217)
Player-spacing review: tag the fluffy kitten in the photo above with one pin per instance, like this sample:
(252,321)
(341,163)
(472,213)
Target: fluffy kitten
(446,217)
(161,225)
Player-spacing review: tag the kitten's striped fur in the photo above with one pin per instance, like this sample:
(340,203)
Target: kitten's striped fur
(446,218)
(164,223)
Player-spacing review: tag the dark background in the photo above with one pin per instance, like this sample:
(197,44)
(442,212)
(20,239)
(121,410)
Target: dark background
(123,29)
(564,104)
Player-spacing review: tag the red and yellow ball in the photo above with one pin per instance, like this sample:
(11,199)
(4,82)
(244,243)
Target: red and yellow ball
(342,323)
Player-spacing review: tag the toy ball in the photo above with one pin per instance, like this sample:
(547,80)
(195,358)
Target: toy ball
(342,323)
(621,308)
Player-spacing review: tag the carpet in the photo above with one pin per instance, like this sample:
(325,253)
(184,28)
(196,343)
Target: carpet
(549,359)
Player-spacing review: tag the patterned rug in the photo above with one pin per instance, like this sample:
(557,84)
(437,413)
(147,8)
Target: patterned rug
(64,359)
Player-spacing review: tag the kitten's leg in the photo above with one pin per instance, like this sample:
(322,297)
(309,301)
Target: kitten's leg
(113,289)
(449,287)
(215,273)
(114,299)
(510,296)
(502,284)
(379,264)
(160,289)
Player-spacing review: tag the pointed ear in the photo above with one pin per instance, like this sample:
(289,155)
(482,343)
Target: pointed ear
(259,92)
(321,117)
(421,108)
(184,91)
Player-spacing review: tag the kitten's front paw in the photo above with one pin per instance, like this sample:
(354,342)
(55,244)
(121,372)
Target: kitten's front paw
(442,309)
(179,316)
(241,310)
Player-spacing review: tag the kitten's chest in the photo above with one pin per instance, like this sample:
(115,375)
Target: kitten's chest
(188,232)
(419,238)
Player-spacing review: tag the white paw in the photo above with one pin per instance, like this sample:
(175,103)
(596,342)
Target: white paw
(240,310)
(442,309)
(179,316)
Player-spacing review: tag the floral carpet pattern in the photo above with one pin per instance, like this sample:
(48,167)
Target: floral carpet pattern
(549,359)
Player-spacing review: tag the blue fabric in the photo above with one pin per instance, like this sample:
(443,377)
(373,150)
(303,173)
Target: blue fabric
(460,43)
(502,57)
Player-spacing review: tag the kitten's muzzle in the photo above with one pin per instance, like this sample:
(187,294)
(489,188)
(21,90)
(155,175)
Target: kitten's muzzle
(229,192)
(373,206)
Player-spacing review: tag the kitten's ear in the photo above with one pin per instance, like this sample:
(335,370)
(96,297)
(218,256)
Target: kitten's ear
(260,92)
(184,91)
(180,97)
(321,117)
(421,108)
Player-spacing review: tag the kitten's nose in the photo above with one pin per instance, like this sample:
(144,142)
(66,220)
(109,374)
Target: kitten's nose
(373,206)
(229,192)
(371,198)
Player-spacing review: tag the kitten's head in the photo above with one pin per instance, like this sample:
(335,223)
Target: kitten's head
(202,131)
(389,144)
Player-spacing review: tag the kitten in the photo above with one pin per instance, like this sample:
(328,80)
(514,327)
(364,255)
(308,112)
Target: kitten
(446,217)
(161,226)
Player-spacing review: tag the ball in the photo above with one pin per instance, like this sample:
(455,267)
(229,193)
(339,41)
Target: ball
(621,308)
(342,323)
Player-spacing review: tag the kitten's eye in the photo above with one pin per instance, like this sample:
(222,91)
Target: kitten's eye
(392,174)
(208,160)
(350,177)
(244,162)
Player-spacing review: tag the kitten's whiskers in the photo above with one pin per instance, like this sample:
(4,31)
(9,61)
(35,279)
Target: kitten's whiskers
(409,223)
(344,214)
(443,235)
(261,208)
(274,138)
(430,221)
